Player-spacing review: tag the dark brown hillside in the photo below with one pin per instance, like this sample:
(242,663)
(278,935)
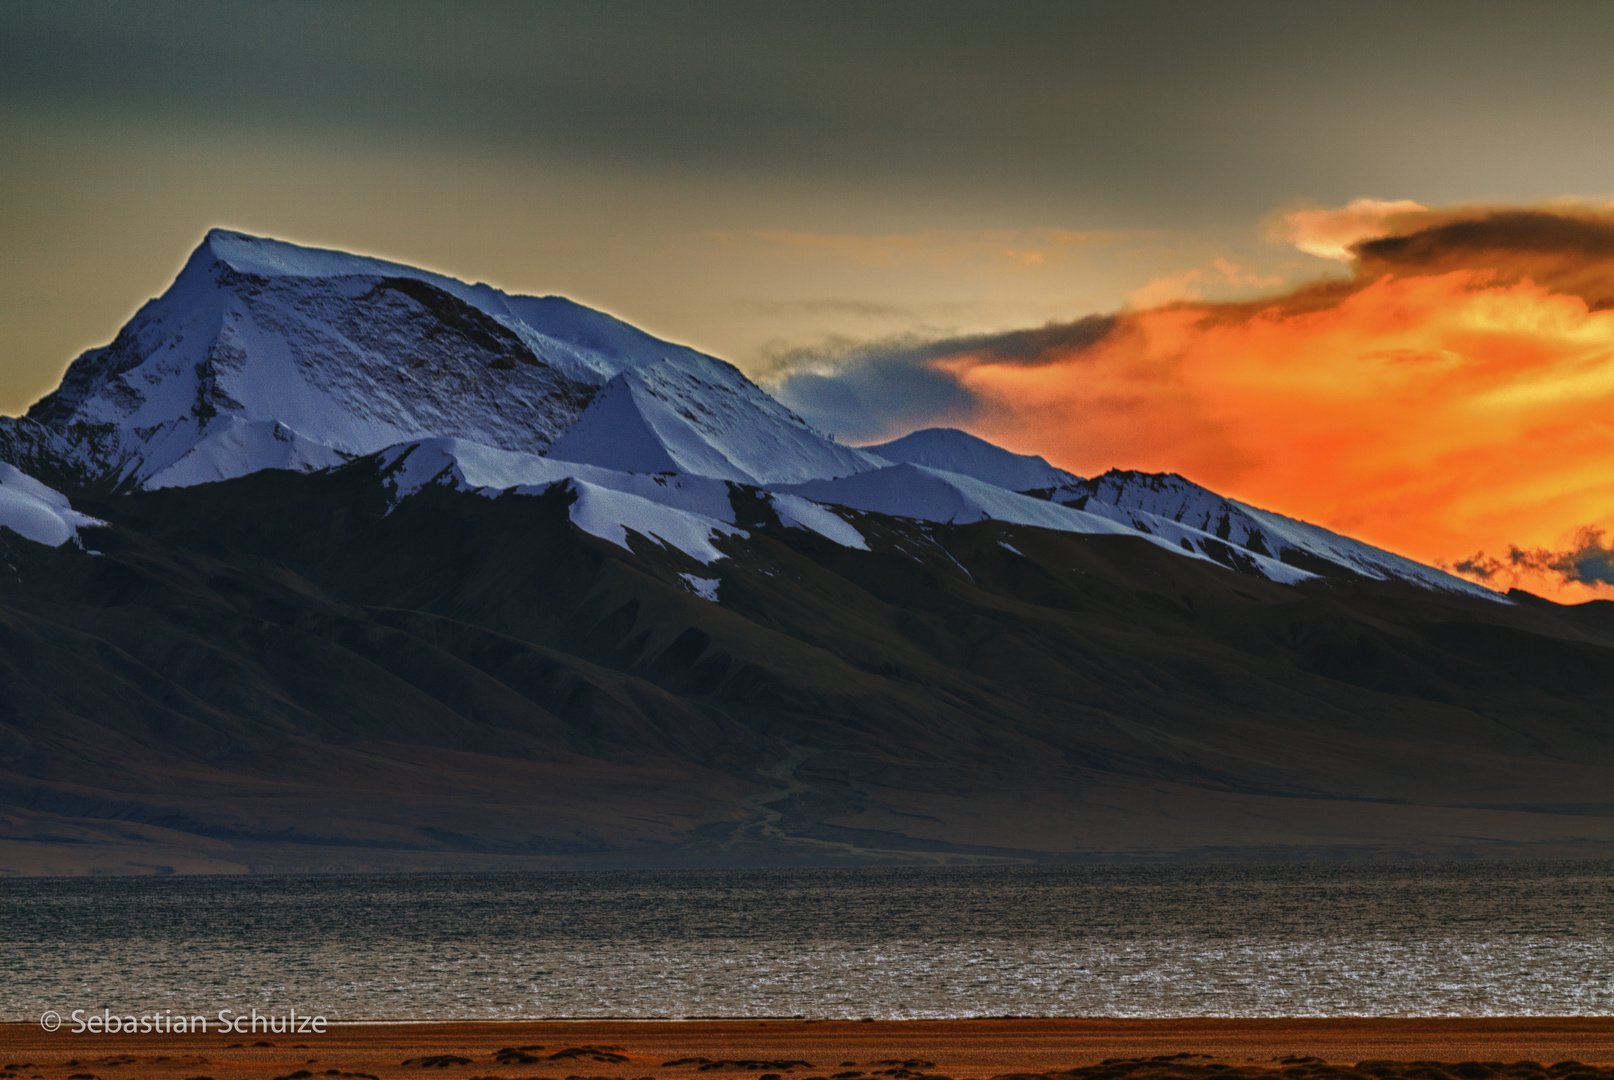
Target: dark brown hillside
(276,671)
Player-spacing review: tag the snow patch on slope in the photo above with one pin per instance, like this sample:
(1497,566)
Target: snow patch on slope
(231,447)
(960,452)
(705,588)
(36,512)
(684,512)
(611,514)
(796,512)
(469,466)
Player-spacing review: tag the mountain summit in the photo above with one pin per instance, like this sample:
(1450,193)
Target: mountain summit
(263,354)
(959,452)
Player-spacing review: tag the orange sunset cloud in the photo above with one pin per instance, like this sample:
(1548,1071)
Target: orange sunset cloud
(1452,401)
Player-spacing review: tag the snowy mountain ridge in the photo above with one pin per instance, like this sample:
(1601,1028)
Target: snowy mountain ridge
(682,511)
(929,494)
(1165,504)
(1164,509)
(264,354)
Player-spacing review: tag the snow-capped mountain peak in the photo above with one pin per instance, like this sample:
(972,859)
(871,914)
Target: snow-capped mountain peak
(586,344)
(957,451)
(666,417)
(264,354)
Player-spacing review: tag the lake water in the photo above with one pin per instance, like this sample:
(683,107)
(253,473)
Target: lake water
(1322,940)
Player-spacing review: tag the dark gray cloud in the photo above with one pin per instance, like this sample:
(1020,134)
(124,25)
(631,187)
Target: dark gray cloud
(1589,562)
(1034,347)
(1105,107)
(1571,252)
(878,391)
(1467,237)
(1479,566)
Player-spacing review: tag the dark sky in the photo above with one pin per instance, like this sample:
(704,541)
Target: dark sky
(763,179)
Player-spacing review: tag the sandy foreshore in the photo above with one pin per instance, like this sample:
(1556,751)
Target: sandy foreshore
(874,1050)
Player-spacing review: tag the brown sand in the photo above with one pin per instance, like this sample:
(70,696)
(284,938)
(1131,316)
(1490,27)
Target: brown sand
(958,1048)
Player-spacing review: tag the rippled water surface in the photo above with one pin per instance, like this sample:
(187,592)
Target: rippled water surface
(1449,940)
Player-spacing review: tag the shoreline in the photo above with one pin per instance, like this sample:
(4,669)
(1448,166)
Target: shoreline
(613,1049)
